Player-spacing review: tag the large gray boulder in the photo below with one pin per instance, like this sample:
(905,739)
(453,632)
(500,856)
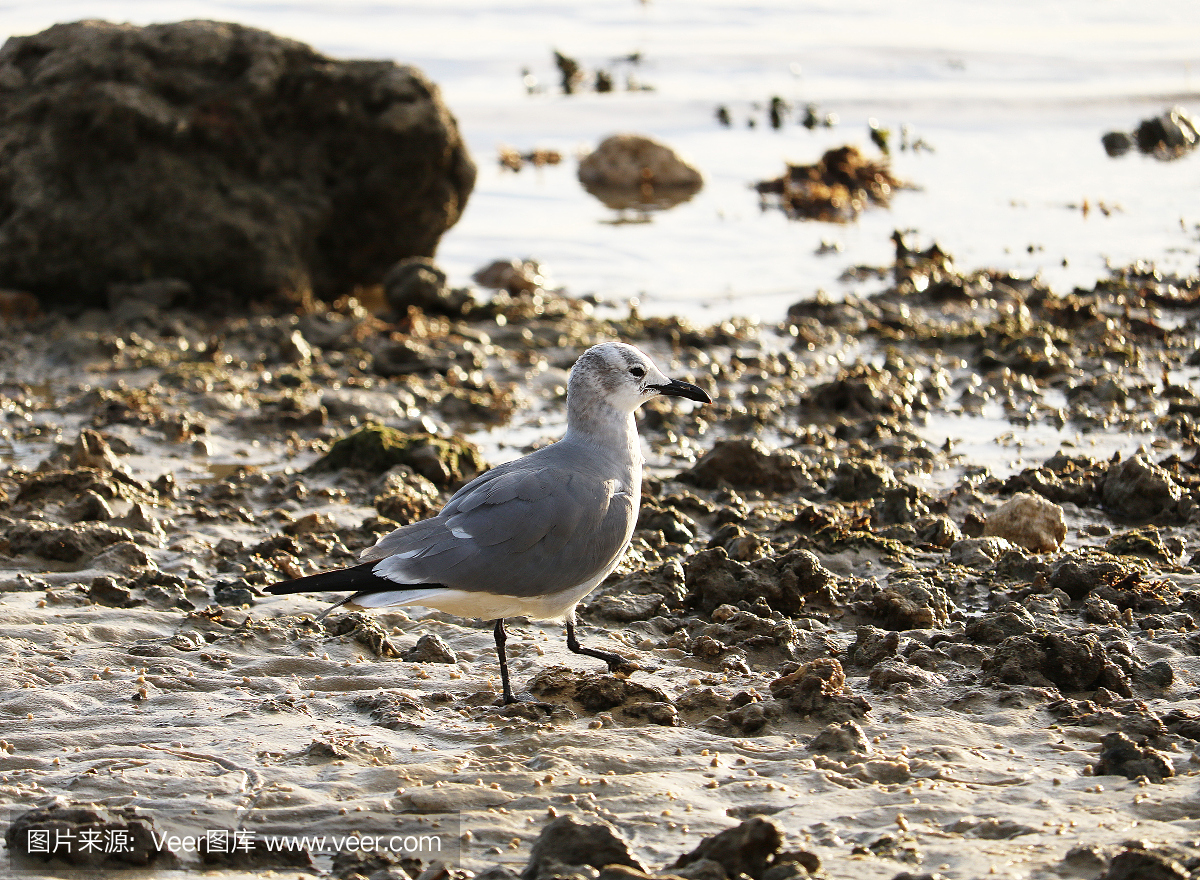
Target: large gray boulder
(246,165)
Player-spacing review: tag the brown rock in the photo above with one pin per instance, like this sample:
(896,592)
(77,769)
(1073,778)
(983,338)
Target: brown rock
(748,848)
(1029,521)
(1121,756)
(1139,489)
(240,163)
(569,842)
(629,170)
(747,464)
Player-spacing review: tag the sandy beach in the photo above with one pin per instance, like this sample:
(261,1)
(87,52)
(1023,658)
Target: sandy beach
(830,630)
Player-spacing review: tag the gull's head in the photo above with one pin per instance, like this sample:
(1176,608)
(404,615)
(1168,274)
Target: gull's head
(623,378)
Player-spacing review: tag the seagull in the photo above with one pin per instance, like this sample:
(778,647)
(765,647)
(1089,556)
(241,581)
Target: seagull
(532,537)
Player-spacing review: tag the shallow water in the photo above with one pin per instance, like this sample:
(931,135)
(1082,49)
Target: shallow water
(1014,103)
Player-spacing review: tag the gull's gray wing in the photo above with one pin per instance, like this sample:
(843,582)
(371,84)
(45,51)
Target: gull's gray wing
(525,529)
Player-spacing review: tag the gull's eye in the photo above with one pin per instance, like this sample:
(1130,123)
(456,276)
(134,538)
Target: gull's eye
(638,372)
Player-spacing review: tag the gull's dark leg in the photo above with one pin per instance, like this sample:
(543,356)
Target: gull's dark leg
(501,638)
(615,661)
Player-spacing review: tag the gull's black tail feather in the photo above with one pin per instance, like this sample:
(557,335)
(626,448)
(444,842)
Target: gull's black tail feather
(356,579)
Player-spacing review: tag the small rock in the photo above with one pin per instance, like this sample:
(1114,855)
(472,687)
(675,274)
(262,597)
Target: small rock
(891,672)
(1117,143)
(91,450)
(978,552)
(234,594)
(629,170)
(1168,135)
(430,649)
(569,842)
(747,464)
(1139,489)
(748,848)
(1079,572)
(845,737)
(626,609)
(417,281)
(992,629)
(106,591)
(818,687)
(909,600)
(514,276)
(1146,543)
(862,480)
(376,448)
(1121,756)
(1142,864)
(1029,521)
(63,825)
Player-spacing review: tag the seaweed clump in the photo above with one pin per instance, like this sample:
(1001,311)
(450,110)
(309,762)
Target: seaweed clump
(836,189)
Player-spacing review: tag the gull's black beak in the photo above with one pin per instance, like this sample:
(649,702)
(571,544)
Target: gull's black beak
(675,388)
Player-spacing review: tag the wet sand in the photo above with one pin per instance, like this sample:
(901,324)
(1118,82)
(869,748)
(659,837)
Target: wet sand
(828,635)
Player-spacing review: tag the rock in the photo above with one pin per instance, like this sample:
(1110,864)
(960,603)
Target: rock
(235,594)
(240,163)
(626,609)
(676,527)
(901,503)
(890,672)
(1146,543)
(601,692)
(818,688)
(1139,489)
(701,869)
(122,557)
(833,189)
(753,717)
(365,630)
(862,480)
(91,450)
(417,281)
(453,797)
(1158,674)
(496,872)
(746,464)
(909,600)
(939,531)
(1029,521)
(992,629)
(1117,143)
(62,826)
(1121,756)
(872,645)
(629,171)
(1079,572)
(845,737)
(566,841)
(106,591)
(69,544)
(430,649)
(785,583)
(1168,135)
(749,848)
(376,448)
(1142,864)
(515,276)
(406,497)
(1070,661)
(978,552)
(89,507)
